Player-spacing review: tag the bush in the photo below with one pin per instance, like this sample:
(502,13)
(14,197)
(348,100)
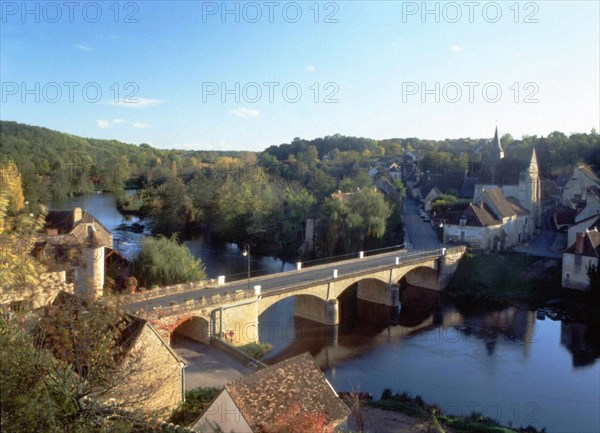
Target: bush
(255,350)
(195,402)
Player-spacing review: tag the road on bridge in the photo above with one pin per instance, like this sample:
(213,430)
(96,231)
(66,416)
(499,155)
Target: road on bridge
(287,280)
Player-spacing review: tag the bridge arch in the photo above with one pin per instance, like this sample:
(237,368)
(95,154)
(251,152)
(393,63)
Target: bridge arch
(421,276)
(195,328)
(306,305)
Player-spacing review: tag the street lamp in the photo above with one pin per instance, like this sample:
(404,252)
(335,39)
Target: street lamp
(245,253)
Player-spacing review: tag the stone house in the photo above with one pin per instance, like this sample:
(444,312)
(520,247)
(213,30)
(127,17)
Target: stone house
(74,241)
(494,222)
(250,403)
(155,383)
(585,251)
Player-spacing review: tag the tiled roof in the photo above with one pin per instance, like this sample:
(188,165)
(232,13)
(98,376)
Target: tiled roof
(504,207)
(270,392)
(477,216)
(590,245)
(63,222)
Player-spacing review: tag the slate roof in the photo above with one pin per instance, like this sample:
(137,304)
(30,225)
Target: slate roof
(591,245)
(507,171)
(564,215)
(271,391)
(585,169)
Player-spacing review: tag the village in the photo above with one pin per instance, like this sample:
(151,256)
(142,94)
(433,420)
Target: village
(510,209)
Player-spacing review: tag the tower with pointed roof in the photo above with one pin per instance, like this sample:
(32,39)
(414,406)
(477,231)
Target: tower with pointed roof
(530,189)
(91,279)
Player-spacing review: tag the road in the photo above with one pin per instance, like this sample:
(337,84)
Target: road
(420,234)
(548,243)
(207,366)
(287,280)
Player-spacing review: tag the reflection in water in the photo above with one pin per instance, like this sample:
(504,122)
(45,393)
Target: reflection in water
(503,363)
(582,340)
(543,373)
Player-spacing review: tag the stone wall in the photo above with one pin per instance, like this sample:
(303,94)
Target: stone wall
(155,384)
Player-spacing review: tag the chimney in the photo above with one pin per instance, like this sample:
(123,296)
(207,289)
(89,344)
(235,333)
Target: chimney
(77,215)
(579,243)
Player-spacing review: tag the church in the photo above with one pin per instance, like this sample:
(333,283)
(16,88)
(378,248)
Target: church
(506,206)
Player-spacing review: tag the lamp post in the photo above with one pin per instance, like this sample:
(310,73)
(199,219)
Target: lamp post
(245,253)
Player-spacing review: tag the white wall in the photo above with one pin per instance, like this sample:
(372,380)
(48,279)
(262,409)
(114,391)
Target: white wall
(223,413)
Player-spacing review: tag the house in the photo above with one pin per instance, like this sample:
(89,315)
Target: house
(494,222)
(585,251)
(249,404)
(76,242)
(154,379)
(578,186)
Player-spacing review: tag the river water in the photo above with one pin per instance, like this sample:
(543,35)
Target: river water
(513,365)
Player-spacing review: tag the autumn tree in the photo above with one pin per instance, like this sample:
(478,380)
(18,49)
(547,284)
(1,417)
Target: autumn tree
(297,420)
(19,271)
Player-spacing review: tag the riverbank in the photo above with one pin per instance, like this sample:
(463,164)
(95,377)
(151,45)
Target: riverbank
(414,415)
(500,278)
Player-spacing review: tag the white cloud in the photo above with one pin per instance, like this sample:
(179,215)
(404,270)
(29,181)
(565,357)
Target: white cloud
(103,123)
(456,48)
(140,125)
(310,68)
(245,112)
(135,102)
(82,47)
(118,121)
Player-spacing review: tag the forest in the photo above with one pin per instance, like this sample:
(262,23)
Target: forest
(264,198)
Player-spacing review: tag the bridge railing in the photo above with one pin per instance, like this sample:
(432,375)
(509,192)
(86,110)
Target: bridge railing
(403,254)
(195,303)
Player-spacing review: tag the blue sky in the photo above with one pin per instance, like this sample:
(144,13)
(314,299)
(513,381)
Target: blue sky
(380,68)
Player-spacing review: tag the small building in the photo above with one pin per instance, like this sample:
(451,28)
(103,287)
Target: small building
(251,403)
(74,241)
(585,251)
(431,196)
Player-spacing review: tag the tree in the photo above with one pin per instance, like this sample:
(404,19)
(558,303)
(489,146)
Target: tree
(593,273)
(163,261)
(19,271)
(68,368)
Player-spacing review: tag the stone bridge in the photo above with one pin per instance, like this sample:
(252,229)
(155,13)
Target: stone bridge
(232,311)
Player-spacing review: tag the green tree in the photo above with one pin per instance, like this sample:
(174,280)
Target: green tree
(164,261)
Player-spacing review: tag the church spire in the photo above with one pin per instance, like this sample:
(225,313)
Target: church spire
(497,150)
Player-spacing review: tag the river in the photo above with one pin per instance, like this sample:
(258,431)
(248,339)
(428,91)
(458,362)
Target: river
(512,364)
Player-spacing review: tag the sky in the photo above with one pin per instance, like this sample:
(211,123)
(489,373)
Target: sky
(248,75)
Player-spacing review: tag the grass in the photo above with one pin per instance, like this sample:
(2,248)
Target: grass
(416,407)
